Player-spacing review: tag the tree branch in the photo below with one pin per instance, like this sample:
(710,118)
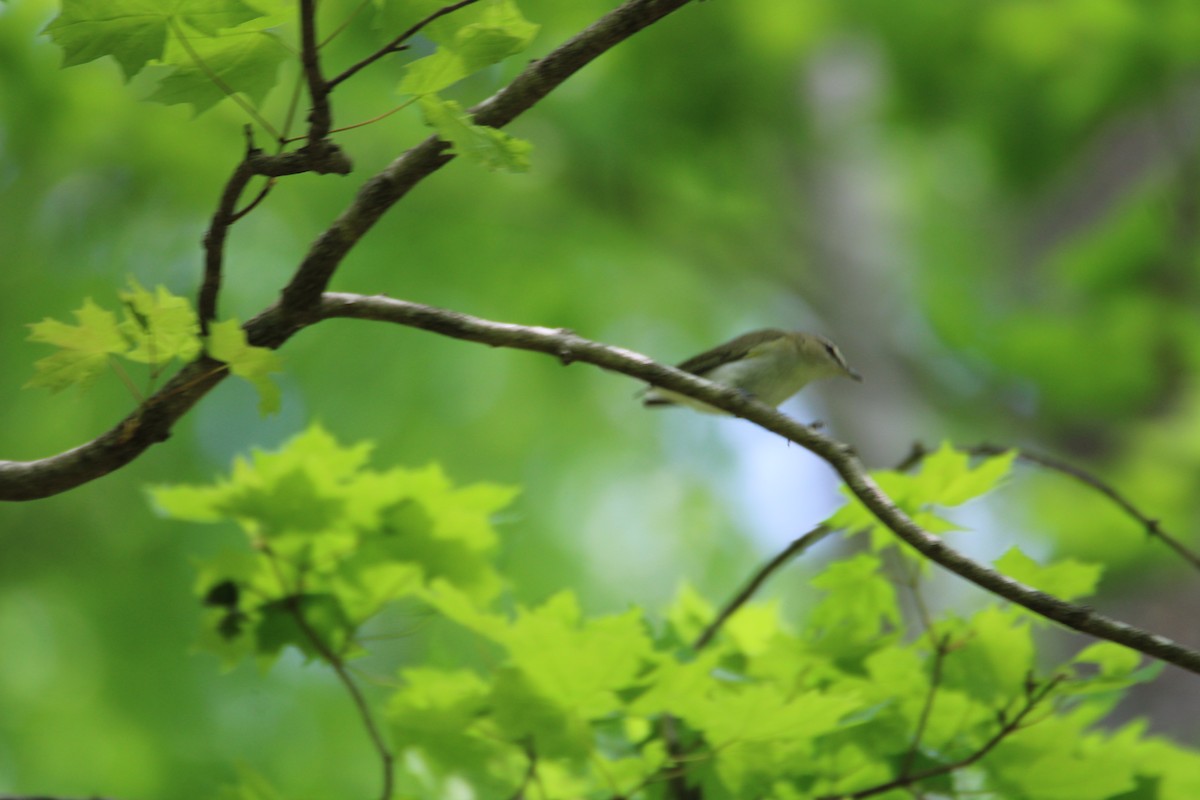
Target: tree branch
(218,231)
(304,303)
(291,600)
(841,457)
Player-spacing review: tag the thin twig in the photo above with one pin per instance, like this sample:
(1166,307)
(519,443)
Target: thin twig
(291,598)
(397,44)
(760,577)
(940,651)
(1153,527)
(262,195)
(123,376)
(377,118)
(345,23)
(530,772)
(366,122)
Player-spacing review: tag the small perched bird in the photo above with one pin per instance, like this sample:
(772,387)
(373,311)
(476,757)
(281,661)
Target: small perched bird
(769,364)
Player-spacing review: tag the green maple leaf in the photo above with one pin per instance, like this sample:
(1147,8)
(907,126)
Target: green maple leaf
(161,326)
(1066,578)
(498,32)
(227,342)
(493,148)
(135,32)
(86,347)
(214,68)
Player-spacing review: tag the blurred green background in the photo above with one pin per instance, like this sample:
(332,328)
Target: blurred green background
(993,209)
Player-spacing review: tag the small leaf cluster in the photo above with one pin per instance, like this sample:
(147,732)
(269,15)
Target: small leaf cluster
(843,701)
(155,328)
(332,543)
(468,42)
(213,49)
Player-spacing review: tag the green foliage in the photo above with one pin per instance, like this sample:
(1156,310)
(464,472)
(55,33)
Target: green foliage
(156,328)
(333,543)
(85,347)
(490,147)
(475,39)
(219,48)
(210,69)
(567,705)
(204,41)
(945,479)
(227,342)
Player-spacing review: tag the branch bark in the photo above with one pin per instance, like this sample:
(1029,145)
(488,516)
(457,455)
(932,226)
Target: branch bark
(841,457)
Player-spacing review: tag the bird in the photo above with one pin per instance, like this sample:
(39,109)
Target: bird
(769,365)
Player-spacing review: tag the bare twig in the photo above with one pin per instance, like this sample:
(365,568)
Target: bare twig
(940,651)
(291,599)
(793,550)
(397,44)
(839,456)
(530,772)
(1153,527)
(258,198)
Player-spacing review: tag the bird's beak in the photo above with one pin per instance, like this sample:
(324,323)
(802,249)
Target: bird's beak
(853,375)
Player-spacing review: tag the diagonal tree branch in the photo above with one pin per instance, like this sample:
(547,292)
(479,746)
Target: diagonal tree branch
(841,457)
(152,422)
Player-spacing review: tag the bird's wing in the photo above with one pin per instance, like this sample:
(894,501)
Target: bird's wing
(734,350)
